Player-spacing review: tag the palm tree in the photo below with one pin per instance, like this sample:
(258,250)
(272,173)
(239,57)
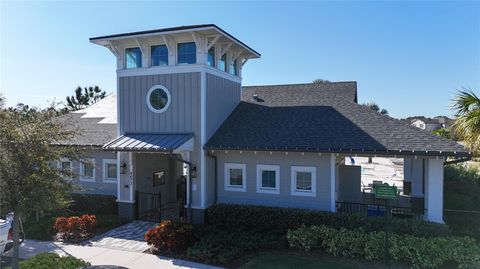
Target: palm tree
(373,106)
(467,123)
(89,96)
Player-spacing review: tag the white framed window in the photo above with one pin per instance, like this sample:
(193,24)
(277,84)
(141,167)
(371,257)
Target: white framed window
(235,177)
(304,180)
(158,99)
(109,170)
(268,178)
(87,170)
(65,165)
(133,58)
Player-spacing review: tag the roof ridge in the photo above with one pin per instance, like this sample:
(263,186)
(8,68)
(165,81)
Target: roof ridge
(297,84)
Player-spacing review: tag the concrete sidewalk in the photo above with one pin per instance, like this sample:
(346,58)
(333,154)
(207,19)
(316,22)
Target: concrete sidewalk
(105,256)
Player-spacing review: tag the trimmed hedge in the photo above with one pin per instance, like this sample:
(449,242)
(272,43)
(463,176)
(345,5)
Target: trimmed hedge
(417,252)
(52,260)
(94,204)
(170,236)
(283,219)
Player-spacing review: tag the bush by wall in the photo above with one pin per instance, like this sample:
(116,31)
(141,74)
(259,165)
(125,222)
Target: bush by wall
(170,236)
(75,228)
(94,204)
(417,252)
(283,219)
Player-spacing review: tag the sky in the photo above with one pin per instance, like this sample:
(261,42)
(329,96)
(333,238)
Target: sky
(408,57)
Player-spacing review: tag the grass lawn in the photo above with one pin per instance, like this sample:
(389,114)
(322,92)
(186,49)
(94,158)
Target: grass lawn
(287,262)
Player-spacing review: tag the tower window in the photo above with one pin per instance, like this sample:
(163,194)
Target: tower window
(233,68)
(158,99)
(222,65)
(133,58)
(159,55)
(187,53)
(211,57)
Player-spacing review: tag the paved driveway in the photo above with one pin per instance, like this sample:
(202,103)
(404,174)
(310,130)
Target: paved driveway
(128,237)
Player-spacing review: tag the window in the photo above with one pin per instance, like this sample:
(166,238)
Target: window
(268,178)
(87,170)
(304,181)
(110,170)
(133,58)
(159,55)
(158,99)
(187,53)
(235,177)
(222,65)
(66,165)
(211,57)
(233,68)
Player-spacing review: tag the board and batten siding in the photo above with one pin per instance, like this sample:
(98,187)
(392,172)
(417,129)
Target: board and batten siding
(183,114)
(322,200)
(222,97)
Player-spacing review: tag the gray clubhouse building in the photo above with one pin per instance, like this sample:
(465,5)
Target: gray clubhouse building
(181,132)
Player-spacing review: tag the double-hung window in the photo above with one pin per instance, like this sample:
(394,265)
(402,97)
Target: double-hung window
(110,170)
(187,53)
(65,167)
(268,179)
(211,57)
(304,180)
(235,177)
(159,55)
(133,58)
(87,170)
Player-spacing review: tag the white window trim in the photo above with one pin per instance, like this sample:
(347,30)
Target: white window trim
(82,167)
(106,179)
(229,187)
(269,167)
(63,160)
(297,192)
(154,110)
(150,55)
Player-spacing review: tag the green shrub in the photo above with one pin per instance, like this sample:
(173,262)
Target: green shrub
(170,236)
(417,252)
(93,204)
(219,247)
(52,260)
(283,219)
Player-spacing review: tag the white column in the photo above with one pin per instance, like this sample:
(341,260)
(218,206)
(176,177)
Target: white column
(434,189)
(333,183)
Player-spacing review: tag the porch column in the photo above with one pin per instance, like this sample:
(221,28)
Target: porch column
(125,188)
(434,189)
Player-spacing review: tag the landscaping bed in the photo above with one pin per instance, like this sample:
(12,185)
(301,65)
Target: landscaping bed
(50,261)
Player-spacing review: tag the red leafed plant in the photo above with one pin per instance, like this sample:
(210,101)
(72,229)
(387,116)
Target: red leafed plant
(75,228)
(170,236)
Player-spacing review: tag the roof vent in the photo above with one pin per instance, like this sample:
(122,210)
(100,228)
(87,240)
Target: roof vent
(257,99)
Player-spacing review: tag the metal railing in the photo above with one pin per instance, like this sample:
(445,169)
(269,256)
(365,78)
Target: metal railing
(148,206)
(378,210)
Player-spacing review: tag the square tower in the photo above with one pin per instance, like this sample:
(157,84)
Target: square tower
(175,87)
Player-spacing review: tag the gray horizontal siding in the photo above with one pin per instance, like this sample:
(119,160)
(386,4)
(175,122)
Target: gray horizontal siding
(183,115)
(284,199)
(97,187)
(222,97)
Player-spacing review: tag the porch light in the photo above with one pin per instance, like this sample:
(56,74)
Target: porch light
(123,168)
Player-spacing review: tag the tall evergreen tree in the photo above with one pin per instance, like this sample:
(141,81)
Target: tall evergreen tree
(373,106)
(85,97)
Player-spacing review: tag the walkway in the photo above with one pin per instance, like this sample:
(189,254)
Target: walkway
(104,256)
(128,237)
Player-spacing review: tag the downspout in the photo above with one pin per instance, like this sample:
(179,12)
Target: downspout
(215,177)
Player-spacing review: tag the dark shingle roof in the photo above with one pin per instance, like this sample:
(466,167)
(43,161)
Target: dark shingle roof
(322,118)
(89,131)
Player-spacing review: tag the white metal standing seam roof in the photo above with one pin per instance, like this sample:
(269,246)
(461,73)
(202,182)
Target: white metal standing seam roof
(148,142)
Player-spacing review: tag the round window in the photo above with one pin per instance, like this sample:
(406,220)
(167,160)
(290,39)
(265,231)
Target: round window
(158,99)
